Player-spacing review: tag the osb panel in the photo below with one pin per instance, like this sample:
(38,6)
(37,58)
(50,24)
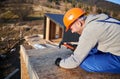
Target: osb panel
(42,62)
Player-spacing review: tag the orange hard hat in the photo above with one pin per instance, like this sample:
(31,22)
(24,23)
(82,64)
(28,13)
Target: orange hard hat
(72,15)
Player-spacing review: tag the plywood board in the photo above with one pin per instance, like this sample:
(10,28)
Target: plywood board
(41,66)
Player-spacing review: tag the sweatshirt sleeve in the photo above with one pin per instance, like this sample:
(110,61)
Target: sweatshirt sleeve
(86,42)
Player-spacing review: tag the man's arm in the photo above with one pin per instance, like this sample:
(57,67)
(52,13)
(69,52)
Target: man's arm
(79,54)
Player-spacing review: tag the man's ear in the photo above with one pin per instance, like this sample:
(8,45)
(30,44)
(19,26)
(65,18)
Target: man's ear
(82,23)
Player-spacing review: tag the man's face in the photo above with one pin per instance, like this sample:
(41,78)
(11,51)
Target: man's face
(76,27)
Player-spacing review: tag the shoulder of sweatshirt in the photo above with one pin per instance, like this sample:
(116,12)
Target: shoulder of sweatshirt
(91,18)
(92,24)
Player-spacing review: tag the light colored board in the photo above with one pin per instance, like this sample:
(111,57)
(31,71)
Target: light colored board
(40,65)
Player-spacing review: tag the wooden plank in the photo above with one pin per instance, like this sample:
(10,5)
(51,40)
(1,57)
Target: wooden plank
(24,71)
(52,30)
(47,28)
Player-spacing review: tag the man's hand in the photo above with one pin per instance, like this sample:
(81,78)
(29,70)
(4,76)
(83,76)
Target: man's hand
(57,61)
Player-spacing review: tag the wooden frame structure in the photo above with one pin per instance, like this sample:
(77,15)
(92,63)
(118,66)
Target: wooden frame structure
(53,27)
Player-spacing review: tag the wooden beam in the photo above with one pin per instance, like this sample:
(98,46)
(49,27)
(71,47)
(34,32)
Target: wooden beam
(47,29)
(52,30)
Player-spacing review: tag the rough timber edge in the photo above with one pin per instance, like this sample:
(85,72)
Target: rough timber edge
(31,72)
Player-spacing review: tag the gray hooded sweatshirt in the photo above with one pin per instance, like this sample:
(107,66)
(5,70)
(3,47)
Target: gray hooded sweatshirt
(99,29)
